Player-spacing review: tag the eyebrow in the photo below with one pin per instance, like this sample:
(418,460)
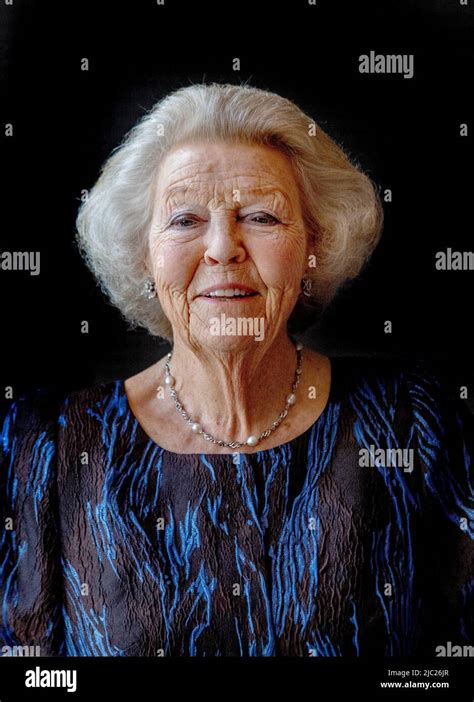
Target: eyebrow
(259,191)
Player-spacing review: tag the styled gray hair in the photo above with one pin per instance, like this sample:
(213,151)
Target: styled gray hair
(341,208)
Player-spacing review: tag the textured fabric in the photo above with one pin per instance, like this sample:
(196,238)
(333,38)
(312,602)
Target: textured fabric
(117,547)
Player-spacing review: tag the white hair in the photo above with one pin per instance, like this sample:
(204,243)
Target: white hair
(340,205)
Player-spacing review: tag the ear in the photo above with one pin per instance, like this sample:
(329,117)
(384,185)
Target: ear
(147,263)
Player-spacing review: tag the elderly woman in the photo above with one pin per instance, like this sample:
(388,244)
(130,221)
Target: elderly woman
(244,495)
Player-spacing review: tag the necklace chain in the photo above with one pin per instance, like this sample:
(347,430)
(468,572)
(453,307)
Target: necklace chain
(251,440)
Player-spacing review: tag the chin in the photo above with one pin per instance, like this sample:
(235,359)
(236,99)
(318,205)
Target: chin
(230,332)
(228,343)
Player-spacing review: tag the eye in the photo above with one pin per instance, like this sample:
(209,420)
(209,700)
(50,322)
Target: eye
(267,218)
(184,221)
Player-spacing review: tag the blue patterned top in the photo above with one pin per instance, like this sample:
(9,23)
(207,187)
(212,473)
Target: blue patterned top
(353,539)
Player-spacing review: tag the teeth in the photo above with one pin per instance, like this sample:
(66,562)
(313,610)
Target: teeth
(229,292)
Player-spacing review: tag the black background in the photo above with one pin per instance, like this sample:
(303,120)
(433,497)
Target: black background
(403,132)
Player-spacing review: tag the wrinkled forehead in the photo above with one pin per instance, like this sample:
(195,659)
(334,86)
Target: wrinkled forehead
(226,171)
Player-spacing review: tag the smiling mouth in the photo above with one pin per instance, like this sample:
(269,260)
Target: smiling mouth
(229,298)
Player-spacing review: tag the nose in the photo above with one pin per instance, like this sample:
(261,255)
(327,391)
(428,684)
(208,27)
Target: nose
(223,243)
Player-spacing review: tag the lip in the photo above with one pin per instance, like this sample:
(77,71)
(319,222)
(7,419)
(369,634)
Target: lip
(227,286)
(227,300)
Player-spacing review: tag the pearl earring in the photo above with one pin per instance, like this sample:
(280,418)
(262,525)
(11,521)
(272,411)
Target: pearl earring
(149,289)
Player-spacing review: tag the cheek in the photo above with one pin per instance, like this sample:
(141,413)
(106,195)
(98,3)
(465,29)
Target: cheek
(280,264)
(173,265)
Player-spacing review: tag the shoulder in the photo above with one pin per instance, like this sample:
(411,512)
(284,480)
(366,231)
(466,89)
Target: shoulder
(37,414)
(90,414)
(32,413)
(406,404)
(373,378)
(28,426)
(393,376)
(405,390)
(91,399)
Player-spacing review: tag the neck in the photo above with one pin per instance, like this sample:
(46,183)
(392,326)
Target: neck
(234,394)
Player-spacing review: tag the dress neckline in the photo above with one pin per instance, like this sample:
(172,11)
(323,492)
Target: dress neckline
(146,438)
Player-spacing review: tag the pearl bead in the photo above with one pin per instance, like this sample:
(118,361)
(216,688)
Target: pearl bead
(299,346)
(169,380)
(196,427)
(291,399)
(252,441)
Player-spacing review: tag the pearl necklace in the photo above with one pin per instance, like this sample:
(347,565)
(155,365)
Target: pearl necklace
(251,440)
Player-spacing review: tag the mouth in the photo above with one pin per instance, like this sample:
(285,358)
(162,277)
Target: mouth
(235,293)
(229,296)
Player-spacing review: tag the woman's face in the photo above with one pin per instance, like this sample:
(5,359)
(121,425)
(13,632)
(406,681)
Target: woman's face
(227,214)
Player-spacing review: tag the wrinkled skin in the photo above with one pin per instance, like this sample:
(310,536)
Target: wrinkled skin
(228,213)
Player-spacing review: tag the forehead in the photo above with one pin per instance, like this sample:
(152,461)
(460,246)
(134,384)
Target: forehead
(253,168)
